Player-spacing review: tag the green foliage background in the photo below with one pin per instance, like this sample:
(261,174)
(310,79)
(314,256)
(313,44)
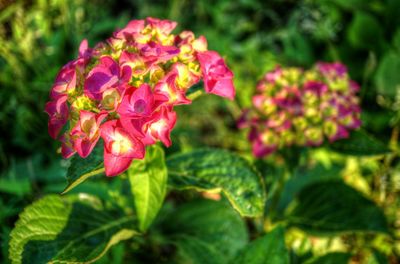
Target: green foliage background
(38,36)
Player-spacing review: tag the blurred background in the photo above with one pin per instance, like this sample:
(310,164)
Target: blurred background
(37,37)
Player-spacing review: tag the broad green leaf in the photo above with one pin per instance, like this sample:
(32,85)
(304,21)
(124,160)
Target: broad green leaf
(219,170)
(331,258)
(215,223)
(303,177)
(396,39)
(74,229)
(195,251)
(267,249)
(82,169)
(360,143)
(332,206)
(387,77)
(365,32)
(148,180)
(19,187)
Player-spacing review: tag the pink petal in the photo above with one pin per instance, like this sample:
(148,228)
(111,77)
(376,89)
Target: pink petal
(67,149)
(217,76)
(134,126)
(159,127)
(85,134)
(65,81)
(138,103)
(118,160)
(155,53)
(134,26)
(164,26)
(103,76)
(58,115)
(85,146)
(167,87)
(115,165)
(83,47)
(114,135)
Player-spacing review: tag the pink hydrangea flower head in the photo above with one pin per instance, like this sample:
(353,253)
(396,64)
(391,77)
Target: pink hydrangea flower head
(293,106)
(124,90)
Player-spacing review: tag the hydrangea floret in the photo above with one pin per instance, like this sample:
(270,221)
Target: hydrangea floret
(299,107)
(124,90)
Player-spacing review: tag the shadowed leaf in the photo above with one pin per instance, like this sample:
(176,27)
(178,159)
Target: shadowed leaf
(267,249)
(330,207)
(82,169)
(360,143)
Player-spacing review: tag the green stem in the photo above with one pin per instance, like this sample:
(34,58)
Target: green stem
(195,95)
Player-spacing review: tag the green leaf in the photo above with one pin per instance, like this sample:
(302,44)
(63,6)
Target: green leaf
(350,4)
(396,39)
(219,170)
(360,143)
(195,251)
(83,168)
(387,77)
(297,47)
(332,206)
(215,223)
(18,187)
(303,177)
(331,258)
(74,229)
(267,249)
(365,32)
(148,180)
(377,257)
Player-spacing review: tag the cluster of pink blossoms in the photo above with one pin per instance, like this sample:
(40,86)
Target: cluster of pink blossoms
(297,107)
(124,90)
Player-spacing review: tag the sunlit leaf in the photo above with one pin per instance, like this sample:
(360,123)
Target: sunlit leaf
(148,180)
(219,170)
(74,229)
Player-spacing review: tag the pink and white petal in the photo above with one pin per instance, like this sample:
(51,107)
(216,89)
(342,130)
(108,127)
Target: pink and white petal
(115,165)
